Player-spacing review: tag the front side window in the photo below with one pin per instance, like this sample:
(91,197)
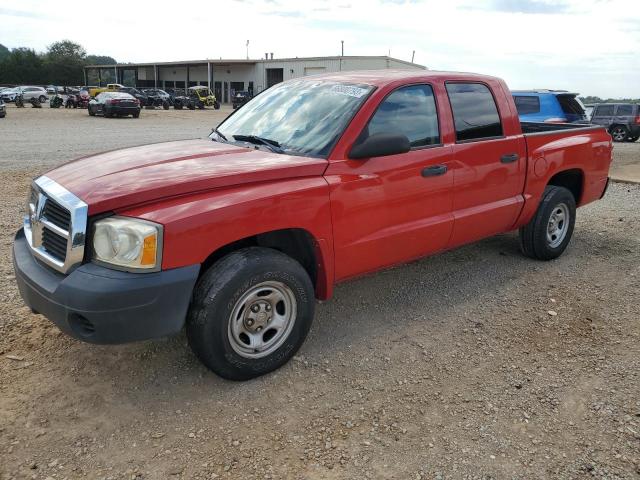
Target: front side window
(304,117)
(474,111)
(409,111)
(604,111)
(527,105)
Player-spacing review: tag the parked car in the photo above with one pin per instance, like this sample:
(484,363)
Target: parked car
(3,109)
(621,119)
(142,97)
(9,94)
(156,92)
(114,104)
(237,235)
(240,98)
(550,106)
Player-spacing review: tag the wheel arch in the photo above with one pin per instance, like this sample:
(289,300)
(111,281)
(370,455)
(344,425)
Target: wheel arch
(297,243)
(571,179)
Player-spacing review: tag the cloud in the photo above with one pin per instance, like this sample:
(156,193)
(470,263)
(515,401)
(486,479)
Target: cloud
(8,12)
(529,6)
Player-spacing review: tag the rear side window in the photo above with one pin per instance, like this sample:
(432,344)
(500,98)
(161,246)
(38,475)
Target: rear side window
(474,111)
(625,110)
(570,105)
(604,111)
(527,105)
(410,111)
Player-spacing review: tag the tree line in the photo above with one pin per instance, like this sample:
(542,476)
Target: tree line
(61,64)
(590,100)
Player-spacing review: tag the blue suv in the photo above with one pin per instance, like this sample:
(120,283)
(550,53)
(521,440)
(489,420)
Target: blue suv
(550,106)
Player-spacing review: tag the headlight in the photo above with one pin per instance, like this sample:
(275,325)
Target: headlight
(128,243)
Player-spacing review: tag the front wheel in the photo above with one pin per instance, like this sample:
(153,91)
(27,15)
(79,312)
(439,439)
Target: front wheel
(548,233)
(42,99)
(250,313)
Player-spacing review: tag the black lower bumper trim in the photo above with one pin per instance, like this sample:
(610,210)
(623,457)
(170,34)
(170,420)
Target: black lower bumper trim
(100,305)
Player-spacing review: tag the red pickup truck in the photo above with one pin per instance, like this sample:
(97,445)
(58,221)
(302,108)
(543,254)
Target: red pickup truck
(312,182)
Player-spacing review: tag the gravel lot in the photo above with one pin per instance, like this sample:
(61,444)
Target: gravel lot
(474,364)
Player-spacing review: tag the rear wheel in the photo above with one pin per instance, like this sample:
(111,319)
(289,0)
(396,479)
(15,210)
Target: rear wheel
(548,233)
(42,99)
(136,115)
(250,313)
(619,133)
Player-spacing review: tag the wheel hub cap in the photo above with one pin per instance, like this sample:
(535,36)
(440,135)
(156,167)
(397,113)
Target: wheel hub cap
(262,319)
(558,225)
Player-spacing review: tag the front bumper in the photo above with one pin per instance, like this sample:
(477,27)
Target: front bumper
(101,305)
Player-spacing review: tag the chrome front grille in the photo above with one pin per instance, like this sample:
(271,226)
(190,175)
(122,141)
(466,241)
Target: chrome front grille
(56,225)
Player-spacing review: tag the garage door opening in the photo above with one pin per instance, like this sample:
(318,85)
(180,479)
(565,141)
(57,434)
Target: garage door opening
(274,75)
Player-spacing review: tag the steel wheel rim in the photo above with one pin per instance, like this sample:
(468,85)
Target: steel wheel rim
(619,133)
(262,319)
(558,225)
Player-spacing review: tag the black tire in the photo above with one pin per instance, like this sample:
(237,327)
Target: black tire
(136,115)
(165,105)
(534,240)
(191,106)
(218,292)
(216,105)
(619,133)
(177,106)
(91,112)
(42,99)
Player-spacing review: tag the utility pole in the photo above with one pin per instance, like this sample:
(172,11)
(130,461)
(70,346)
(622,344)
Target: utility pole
(247,49)
(413,55)
(342,42)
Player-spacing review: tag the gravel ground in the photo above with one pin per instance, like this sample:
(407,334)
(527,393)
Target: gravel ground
(475,364)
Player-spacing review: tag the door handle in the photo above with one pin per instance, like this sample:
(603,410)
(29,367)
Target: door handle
(434,171)
(509,158)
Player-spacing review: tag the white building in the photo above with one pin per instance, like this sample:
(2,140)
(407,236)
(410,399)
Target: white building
(227,76)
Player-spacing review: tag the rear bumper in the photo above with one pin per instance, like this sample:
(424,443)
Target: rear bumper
(100,305)
(122,110)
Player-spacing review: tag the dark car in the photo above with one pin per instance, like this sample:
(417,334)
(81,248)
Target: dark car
(240,98)
(158,98)
(621,119)
(156,92)
(142,97)
(110,104)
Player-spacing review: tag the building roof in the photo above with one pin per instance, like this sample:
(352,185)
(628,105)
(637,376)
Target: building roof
(236,61)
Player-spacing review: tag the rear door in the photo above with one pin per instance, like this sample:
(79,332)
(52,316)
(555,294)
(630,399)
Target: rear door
(489,159)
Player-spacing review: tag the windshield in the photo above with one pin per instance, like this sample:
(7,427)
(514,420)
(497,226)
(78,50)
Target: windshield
(305,117)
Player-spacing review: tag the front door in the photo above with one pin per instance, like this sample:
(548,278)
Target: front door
(489,166)
(391,209)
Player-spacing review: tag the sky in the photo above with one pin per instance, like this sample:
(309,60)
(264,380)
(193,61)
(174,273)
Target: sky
(587,46)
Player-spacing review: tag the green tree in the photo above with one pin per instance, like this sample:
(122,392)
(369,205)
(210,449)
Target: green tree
(64,63)
(22,66)
(4,52)
(99,60)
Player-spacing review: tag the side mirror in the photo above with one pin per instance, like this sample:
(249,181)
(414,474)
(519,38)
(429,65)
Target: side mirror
(381,145)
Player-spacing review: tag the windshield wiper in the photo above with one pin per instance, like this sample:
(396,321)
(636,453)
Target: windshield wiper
(270,144)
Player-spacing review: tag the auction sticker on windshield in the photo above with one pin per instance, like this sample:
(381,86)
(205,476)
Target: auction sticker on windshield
(349,90)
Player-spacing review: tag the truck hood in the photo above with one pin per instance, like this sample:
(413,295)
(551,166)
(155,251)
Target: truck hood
(122,178)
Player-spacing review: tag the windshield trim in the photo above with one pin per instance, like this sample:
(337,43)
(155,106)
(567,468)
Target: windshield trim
(331,146)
